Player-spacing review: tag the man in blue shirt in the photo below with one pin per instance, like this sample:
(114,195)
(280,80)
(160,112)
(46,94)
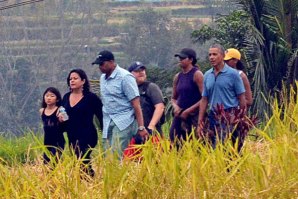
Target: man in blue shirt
(222,86)
(122,113)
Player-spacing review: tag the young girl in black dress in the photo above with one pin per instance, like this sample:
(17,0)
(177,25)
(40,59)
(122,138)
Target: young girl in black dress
(53,133)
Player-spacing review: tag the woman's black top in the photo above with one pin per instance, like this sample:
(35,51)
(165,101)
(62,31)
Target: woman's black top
(80,128)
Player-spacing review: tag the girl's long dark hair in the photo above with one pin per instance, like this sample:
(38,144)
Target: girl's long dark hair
(56,92)
(83,76)
(240,65)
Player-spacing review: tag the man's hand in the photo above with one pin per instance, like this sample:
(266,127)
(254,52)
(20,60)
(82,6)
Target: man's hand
(144,134)
(152,128)
(199,131)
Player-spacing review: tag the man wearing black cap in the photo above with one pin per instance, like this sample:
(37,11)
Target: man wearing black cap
(122,113)
(150,96)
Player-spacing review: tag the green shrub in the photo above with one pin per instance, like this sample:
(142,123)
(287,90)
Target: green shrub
(15,149)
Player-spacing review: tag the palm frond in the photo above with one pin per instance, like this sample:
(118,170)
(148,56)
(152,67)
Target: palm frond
(292,72)
(260,90)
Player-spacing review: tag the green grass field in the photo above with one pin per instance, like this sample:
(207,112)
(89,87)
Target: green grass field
(267,168)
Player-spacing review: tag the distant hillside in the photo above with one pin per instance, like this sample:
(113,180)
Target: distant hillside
(39,32)
(42,42)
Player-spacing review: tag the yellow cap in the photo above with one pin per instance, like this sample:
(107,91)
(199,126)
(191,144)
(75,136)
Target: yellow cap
(232,53)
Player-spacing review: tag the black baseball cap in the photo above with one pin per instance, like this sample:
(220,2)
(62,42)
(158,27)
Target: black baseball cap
(136,66)
(103,56)
(187,52)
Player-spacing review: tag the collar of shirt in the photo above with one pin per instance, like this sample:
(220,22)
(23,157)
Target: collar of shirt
(224,69)
(114,73)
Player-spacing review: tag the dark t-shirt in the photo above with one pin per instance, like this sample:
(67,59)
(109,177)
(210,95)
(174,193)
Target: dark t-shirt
(187,90)
(80,127)
(149,98)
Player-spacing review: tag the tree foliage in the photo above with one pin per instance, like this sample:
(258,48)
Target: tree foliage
(228,30)
(19,96)
(42,42)
(266,33)
(39,47)
(153,37)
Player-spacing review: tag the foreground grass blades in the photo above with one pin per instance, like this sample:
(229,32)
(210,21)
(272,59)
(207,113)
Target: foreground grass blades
(264,170)
(267,168)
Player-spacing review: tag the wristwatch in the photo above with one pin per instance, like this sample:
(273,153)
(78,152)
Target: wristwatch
(141,128)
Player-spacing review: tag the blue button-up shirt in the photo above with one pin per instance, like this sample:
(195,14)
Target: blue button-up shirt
(116,93)
(223,88)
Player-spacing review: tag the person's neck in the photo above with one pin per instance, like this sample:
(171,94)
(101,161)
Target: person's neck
(219,67)
(139,83)
(51,106)
(78,91)
(187,69)
(108,74)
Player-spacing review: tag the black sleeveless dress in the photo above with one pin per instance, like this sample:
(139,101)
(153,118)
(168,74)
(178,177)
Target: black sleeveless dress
(53,134)
(188,94)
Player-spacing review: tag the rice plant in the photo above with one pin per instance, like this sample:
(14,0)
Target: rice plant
(266,168)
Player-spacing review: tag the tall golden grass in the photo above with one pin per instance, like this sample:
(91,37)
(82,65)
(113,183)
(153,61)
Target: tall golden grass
(267,168)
